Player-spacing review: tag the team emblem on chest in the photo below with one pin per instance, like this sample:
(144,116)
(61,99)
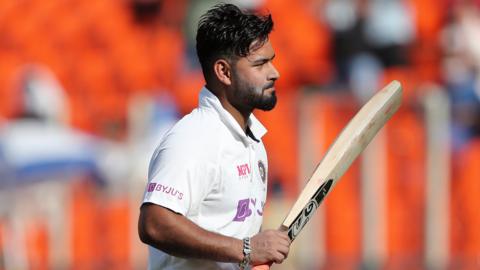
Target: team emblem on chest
(262,171)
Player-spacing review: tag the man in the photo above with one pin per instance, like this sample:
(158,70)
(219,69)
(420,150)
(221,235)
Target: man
(203,205)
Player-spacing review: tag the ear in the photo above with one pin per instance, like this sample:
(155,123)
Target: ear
(223,72)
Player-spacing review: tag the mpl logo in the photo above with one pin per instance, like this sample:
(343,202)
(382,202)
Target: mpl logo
(243,171)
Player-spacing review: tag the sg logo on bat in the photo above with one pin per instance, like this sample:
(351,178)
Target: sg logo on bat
(309,209)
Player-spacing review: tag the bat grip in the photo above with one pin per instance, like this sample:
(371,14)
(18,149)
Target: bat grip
(267,265)
(262,266)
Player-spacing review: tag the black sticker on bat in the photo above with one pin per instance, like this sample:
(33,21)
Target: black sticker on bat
(309,209)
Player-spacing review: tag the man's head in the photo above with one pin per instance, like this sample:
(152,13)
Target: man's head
(235,53)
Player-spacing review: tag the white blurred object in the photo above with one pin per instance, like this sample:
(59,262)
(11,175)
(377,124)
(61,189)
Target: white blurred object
(27,140)
(341,15)
(248,4)
(469,24)
(43,95)
(32,151)
(389,22)
(365,76)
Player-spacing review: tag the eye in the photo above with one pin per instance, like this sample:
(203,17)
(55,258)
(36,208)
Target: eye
(260,64)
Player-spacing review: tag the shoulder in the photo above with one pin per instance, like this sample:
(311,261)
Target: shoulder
(198,135)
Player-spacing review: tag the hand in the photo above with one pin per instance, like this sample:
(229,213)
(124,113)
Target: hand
(269,246)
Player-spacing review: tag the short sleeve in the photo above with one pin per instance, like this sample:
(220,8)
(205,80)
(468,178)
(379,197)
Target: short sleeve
(179,179)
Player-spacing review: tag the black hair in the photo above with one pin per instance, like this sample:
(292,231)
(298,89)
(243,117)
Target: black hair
(227,31)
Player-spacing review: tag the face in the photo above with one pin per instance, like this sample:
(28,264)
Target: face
(253,80)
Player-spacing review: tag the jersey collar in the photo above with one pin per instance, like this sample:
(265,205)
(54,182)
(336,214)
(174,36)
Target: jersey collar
(208,100)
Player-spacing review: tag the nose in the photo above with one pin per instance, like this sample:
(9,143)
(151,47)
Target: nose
(274,74)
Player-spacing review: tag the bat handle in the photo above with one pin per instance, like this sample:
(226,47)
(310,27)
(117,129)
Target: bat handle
(262,266)
(267,265)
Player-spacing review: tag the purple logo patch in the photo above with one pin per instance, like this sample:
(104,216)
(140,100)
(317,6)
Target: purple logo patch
(151,187)
(244,209)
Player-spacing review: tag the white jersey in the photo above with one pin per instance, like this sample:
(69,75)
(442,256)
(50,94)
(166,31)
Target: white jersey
(207,169)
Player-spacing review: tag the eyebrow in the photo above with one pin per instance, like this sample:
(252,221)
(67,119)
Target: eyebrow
(262,60)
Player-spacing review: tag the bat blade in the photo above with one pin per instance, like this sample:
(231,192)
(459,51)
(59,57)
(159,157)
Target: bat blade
(353,139)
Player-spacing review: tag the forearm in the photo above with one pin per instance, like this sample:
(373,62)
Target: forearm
(178,236)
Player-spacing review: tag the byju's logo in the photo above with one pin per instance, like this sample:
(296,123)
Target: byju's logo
(152,187)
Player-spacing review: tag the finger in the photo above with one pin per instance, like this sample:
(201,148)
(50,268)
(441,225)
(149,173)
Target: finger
(286,242)
(284,251)
(279,257)
(284,236)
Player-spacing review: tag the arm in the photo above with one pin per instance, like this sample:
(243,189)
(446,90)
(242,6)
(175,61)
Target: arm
(178,236)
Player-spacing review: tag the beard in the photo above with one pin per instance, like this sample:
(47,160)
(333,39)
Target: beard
(265,101)
(255,97)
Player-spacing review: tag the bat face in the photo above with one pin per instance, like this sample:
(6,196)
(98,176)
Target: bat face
(353,139)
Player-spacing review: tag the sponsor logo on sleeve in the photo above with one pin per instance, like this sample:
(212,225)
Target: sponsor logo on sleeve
(151,187)
(154,187)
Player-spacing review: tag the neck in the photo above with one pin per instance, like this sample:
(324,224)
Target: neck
(241,116)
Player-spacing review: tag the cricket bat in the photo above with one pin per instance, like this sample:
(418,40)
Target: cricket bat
(353,139)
